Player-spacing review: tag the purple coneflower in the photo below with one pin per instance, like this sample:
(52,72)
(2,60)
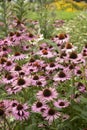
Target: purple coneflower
(16,69)
(10,89)
(39,106)
(65,117)
(9,78)
(30,36)
(61,39)
(62,75)
(22,82)
(26,48)
(61,103)
(81,87)
(78,71)
(53,66)
(20,112)
(50,115)
(75,58)
(18,56)
(46,53)
(9,65)
(38,81)
(48,94)
(69,47)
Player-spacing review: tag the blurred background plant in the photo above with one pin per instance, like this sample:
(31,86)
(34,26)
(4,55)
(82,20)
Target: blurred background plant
(70,5)
(77,28)
(5,13)
(45,17)
(43,11)
(20,9)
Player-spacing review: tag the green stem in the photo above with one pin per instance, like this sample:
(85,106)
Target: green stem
(6,122)
(5,17)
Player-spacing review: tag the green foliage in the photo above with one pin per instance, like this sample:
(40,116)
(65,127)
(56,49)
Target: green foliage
(5,13)
(66,15)
(77,28)
(20,9)
(44,18)
(45,1)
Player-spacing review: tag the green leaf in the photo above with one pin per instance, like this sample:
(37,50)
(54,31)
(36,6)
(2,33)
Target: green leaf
(51,43)
(83,99)
(32,127)
(74,118)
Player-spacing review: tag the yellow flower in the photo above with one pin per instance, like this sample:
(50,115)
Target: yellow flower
(69,5)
